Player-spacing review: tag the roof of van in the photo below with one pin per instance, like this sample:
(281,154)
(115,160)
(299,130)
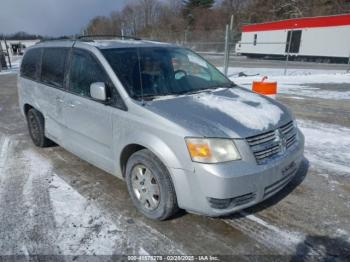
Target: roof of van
(110,43)
(103,44)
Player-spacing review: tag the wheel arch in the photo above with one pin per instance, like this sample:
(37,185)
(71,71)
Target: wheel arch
(158,147)
(126,153)
(26,108)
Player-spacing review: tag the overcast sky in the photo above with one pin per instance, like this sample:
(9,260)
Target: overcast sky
(52,17)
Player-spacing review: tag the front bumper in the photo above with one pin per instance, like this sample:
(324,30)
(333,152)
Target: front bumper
(221,189)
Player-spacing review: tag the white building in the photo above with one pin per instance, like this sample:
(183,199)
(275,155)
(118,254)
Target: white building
(324,38)
(17,47)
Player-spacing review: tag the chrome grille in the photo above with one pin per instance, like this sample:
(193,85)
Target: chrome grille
(275,142)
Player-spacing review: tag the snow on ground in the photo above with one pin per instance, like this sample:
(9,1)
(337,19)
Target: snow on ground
(4,144)
(15,64)
(327,146)
(297,82)
(234,71)
(80,226)
(284,235)
(94,233)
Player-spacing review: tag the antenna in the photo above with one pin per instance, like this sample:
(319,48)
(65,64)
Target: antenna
(140,74)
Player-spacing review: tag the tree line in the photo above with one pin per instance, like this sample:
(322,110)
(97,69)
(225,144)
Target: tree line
(196,20)
(203,20)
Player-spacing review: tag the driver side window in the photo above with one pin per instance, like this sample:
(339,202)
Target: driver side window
(84,71)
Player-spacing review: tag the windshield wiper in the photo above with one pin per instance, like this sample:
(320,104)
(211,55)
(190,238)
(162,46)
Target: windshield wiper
(227,85)
(210,88)
(230,85)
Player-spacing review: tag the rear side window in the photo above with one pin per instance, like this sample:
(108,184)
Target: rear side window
(31,63)
(53,66)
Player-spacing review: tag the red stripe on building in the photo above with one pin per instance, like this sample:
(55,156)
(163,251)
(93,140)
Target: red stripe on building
(320,21)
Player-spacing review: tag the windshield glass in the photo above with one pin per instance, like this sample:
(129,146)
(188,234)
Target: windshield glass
(159,71)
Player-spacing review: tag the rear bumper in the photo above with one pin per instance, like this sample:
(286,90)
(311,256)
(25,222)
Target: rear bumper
(221,189)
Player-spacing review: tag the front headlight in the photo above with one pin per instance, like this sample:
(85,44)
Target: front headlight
(212,150)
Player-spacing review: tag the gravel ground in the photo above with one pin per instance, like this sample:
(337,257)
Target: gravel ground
(53,203)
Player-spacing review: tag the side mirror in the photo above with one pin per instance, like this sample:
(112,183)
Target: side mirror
(98,91)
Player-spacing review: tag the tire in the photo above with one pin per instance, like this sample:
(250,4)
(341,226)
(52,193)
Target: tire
(36,127)
(144,174)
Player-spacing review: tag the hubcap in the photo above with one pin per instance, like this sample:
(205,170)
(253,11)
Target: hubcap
(145,187)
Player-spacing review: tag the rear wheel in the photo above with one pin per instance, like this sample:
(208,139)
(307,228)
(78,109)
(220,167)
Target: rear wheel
(36,127)
(150,186)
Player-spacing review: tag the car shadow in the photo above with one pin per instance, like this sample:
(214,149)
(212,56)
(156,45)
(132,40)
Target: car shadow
(292,185)
(322,248)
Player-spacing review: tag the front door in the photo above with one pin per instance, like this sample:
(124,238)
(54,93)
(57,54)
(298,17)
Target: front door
(89,122)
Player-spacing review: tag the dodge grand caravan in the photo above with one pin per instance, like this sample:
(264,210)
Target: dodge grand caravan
(159,116)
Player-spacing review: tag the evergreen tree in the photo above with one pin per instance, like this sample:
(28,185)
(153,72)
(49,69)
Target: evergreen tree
(190,4)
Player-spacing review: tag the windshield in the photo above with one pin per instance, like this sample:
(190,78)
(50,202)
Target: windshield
(159,71)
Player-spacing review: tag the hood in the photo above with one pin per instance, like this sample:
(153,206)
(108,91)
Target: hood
(234,112)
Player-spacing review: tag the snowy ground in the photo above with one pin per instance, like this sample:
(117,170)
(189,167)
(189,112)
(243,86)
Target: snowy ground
(53,203)
(327,146)
(15,63)
(298,82)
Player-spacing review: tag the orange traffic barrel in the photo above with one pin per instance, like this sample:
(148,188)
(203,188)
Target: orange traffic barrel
(265,88)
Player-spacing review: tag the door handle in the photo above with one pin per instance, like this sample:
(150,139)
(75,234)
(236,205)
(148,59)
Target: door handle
(72,105)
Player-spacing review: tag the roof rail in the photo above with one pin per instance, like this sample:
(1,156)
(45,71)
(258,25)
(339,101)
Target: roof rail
(89,38)
(92,37)
(56,39)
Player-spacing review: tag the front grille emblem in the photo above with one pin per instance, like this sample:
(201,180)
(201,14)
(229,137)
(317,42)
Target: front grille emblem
(282,141)
(283,145)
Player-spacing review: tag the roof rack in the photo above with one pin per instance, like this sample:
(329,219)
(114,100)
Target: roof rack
(56,39)
(92,37)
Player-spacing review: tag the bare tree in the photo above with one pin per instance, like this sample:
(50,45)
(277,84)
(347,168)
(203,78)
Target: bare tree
(151,11)
(169,19)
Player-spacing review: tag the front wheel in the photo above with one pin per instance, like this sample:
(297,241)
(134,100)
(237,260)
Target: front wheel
(150,186)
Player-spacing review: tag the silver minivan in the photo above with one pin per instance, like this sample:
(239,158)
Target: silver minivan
(162,118)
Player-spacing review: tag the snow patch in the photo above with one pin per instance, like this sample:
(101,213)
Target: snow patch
(8,71)
(286,236)
(36,162)
(4,145)
(297,97)
(343,233)
(83,228)
(327,146)
(296,82)
(279,72)
(15,65)
(285,241)
(249,109)
(143,252)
